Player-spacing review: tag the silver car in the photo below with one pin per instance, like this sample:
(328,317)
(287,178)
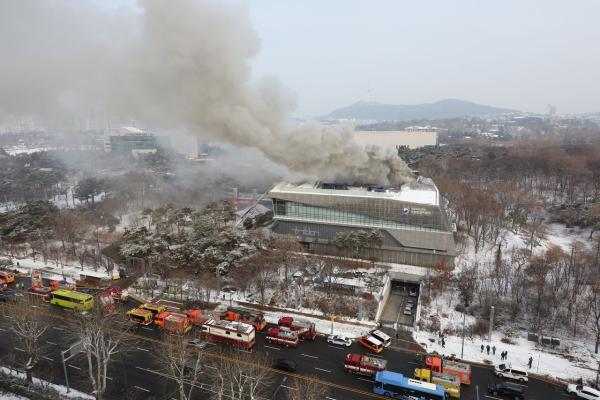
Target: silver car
(339,340)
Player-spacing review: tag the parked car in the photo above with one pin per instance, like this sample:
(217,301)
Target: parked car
(506,389)
(286,365)
(506,371)
(407,310)
(583,392)
(413,291)
(410,302)
(339,340)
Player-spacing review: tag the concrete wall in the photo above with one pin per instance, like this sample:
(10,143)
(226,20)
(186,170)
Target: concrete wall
(383,297)
(393,139)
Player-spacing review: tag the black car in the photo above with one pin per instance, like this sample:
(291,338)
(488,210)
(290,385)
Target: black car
(286,365)
(508,389)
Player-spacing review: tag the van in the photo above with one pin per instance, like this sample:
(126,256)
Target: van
(382,337)
(507,371)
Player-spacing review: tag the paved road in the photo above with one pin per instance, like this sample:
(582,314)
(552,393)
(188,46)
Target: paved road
(135,374)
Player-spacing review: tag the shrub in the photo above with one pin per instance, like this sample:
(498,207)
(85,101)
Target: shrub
(507,340)
(459,308)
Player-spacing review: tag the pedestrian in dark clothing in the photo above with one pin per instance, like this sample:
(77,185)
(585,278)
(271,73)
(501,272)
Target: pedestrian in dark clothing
(530,362)
(488,349)
(506,355)
(494,349)
(443,342)
(502,355)
(18,264)
(482,348)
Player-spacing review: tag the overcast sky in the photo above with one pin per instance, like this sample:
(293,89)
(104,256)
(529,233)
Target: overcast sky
(517,54)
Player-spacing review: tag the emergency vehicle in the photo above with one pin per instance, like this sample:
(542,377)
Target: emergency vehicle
(7,276)
(140,316)
(371,343)
(235,333)
(462,370)
(254,318)
(282,335)
(450,382)
(363,365)
(304,328)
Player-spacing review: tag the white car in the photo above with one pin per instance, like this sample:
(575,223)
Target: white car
(583,392)
(407,310)
(339,340)
(508,371)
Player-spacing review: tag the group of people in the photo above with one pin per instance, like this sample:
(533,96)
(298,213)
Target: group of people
(503,355)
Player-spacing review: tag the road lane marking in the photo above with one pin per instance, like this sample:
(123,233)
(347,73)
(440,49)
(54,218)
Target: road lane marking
(491,397)
(47,358)
(412,362)
(58,328)
(74,366)
(141,388)
(330,398)
(321,369)
(109,378)
(366,380)
(18,349)
(51,343)
(146,328)
(271,347)
(308,355)
(338,348)
(142,349)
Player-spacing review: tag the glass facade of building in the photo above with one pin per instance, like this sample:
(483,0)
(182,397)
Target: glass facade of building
(414,233)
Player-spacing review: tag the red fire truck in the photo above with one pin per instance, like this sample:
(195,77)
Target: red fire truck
(304,328)
(363,365)
(282,335)
(236,333)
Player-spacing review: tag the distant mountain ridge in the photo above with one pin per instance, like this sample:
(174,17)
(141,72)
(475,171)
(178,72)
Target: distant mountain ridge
(448,108)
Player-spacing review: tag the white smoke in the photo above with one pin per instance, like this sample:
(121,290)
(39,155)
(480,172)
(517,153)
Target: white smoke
(172,64)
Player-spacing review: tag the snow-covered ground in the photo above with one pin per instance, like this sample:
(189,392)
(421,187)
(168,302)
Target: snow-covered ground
(11,396)
(71,272)
(62,390)
(544,363)
(577,359)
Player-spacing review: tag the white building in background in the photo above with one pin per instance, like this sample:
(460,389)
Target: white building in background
(412,138)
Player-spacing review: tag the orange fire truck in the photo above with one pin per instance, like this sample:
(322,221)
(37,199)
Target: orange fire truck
(282,335)
(304,328)
(154,308)
(363,365)
(254,318)
(173,322)
(235,333)
(462,370)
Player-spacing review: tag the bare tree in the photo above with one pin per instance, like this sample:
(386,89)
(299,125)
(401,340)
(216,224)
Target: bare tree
(29,324)
(100,343)
(308,388)
(594,304)
(181,363)
(239,375)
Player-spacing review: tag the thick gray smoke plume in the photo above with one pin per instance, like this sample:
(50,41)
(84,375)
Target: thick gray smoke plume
(172,64)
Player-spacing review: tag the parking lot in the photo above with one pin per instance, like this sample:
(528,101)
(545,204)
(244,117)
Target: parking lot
(402,304)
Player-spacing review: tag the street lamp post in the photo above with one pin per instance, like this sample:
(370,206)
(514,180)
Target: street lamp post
(462,346)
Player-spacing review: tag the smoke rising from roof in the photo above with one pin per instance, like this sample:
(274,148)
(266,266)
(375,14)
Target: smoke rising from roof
(172,65)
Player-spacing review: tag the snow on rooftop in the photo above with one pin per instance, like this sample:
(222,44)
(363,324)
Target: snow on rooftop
(128,130)
(422,192)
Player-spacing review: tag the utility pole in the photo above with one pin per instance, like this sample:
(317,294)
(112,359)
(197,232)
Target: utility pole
(462,346)
(491,324)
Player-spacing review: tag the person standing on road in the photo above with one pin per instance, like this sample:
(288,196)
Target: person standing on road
(494,349)
(530,362)
(506,354)
(443,342)
(482,347)
(488,349)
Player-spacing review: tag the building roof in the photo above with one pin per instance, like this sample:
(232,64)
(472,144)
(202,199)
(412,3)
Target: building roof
(423,191)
